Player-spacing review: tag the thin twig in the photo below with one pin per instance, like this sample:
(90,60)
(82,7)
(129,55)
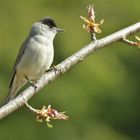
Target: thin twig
(31,108)
(129,42)
(93,37)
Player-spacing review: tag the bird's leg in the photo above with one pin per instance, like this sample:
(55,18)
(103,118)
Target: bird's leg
(55,69)
(51,68)
(31,82)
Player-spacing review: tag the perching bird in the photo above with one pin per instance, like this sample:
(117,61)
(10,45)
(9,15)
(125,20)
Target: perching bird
(35,55)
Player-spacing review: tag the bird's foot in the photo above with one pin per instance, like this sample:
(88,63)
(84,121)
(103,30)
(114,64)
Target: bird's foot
(51,68)
(55,69)
(32,83)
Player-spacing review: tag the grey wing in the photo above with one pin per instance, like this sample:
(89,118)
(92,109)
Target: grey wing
(19,56)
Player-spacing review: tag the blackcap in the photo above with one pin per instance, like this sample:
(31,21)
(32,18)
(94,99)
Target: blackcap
(35,55)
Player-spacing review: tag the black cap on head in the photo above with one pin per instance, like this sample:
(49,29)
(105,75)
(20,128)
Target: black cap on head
(48,21)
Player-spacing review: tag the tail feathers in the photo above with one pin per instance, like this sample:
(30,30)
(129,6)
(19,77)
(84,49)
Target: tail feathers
(7,99)
(17,84)
(10,96)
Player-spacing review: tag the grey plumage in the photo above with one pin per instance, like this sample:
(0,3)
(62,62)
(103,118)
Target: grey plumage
(35,55)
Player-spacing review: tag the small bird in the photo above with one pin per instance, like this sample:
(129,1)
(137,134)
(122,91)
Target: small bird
(35,55)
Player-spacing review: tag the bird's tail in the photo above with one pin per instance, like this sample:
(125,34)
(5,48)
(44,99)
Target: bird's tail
(11,94)
(16,86)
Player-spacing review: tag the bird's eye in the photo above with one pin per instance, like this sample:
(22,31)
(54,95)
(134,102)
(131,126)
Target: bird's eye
(50,26)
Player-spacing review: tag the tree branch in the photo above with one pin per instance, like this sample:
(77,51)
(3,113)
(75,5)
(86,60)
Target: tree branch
(64,66)
(132,43)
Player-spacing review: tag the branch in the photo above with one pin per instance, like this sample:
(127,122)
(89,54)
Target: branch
(64,66)
(132,43)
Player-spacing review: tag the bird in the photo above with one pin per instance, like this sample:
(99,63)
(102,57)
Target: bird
(35,55)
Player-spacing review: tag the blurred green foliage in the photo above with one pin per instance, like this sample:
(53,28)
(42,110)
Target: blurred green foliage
(101,95)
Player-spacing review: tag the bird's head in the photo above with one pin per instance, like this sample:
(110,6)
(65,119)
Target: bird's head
(45,26)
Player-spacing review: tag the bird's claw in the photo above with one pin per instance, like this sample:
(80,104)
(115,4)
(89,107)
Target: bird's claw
(51,68)
(32,83)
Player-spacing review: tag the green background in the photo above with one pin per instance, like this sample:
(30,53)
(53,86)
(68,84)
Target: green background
(101,95)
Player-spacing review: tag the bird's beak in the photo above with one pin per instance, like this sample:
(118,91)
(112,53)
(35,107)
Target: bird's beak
(59,29)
